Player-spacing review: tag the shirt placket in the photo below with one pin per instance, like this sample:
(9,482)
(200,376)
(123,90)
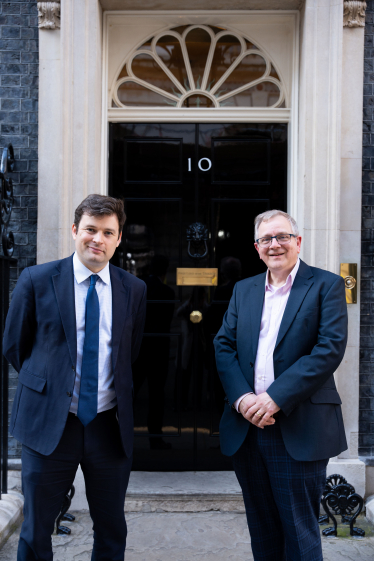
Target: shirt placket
(273,328)
(263,373)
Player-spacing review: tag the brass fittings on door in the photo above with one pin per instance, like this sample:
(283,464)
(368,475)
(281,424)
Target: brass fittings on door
(196,316)
(349,273)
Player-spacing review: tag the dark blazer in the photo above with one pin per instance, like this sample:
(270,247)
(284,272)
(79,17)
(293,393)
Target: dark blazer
(40,342)
(309,348)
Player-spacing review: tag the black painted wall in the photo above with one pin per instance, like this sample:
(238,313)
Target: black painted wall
(19,61)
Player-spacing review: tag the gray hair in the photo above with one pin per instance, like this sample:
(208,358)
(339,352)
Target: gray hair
(269,214)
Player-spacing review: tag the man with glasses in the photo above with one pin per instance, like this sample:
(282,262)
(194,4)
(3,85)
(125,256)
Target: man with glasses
(282,338)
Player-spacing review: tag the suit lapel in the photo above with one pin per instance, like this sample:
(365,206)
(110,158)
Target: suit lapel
(120,303)
(301,285)
(63,283)
(257,295)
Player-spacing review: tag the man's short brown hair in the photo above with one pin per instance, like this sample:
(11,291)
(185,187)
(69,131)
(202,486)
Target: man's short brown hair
(100,205)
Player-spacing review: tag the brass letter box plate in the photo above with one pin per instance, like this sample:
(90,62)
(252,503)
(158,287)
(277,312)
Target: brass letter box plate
(197,277)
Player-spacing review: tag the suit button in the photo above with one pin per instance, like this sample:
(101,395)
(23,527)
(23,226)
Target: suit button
(73,368)
(68,394)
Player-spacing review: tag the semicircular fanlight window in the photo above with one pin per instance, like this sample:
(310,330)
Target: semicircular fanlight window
(201,67)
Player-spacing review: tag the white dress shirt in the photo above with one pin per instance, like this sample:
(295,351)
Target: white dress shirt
(106,397)
(275,302)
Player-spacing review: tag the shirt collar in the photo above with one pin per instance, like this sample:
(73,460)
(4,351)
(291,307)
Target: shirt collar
(289,281)
(81,272)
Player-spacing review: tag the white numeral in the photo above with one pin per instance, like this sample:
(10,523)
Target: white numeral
(209,164)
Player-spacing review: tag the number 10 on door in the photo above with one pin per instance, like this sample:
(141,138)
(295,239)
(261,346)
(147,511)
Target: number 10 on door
(206,167)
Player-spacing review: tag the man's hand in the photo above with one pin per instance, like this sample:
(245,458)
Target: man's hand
(248,407)
(261,412)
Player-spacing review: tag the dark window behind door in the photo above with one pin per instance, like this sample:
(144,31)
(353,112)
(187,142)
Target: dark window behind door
(172,175)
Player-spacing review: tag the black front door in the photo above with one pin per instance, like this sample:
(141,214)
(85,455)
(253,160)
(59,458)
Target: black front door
(171,177)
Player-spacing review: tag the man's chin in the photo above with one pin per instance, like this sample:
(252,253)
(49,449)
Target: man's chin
(94,260)
(277,264)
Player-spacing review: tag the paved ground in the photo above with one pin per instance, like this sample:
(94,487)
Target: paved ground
(207,536)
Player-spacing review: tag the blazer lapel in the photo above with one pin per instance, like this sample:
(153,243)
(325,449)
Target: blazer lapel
(301,285)
(120,303)
(63,283)
(257,295)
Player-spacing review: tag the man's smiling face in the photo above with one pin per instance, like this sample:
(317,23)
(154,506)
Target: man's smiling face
(278,257)
(96,240)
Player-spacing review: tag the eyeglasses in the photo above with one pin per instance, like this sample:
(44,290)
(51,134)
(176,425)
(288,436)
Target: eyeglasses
(282,239)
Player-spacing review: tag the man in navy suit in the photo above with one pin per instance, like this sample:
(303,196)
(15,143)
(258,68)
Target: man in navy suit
(73,330)
(282,338)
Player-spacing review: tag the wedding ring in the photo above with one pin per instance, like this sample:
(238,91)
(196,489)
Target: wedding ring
(258,414)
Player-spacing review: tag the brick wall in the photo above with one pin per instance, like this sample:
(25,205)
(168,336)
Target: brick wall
(19,125)
(366,438)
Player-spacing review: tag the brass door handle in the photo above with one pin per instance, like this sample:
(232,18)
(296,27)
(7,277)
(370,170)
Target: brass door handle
(196,316)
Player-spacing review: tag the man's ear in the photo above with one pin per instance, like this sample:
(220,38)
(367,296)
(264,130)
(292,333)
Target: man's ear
(298,241)
(119,239)
(74,231)
(257,249)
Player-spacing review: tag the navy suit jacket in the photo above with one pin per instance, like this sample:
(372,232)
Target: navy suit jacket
(40,341)
(310,346)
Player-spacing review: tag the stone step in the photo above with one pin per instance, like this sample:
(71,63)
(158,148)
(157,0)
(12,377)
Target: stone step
(200,491)
(188,491)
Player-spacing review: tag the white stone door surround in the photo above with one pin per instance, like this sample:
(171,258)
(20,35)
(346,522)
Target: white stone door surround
(325,139)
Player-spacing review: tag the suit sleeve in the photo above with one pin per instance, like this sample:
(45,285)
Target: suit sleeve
(20,324)
(232,378)
(137,332)
(301,380)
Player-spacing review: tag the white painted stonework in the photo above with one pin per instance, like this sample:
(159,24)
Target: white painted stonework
(320,64)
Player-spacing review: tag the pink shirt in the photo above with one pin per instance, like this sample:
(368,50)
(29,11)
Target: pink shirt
(272,314)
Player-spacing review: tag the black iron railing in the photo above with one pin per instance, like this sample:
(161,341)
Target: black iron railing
(6,261)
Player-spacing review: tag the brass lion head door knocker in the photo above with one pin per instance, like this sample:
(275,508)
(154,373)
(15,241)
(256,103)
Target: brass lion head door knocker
(197,239)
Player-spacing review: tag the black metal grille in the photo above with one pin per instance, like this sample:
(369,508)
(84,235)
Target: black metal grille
(6,206)
(5,263)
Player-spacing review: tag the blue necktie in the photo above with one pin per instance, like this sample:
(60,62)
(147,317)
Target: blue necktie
(87,404)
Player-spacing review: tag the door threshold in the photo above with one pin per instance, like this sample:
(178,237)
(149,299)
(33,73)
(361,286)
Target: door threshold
(182,491)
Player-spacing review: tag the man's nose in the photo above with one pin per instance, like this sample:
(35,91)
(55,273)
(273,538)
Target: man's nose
(274,242)
(98,237)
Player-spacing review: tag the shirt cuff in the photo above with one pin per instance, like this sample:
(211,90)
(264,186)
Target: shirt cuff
(237,402)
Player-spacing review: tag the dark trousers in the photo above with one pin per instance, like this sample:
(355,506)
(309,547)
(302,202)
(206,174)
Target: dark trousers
(281,496)
(46,480)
